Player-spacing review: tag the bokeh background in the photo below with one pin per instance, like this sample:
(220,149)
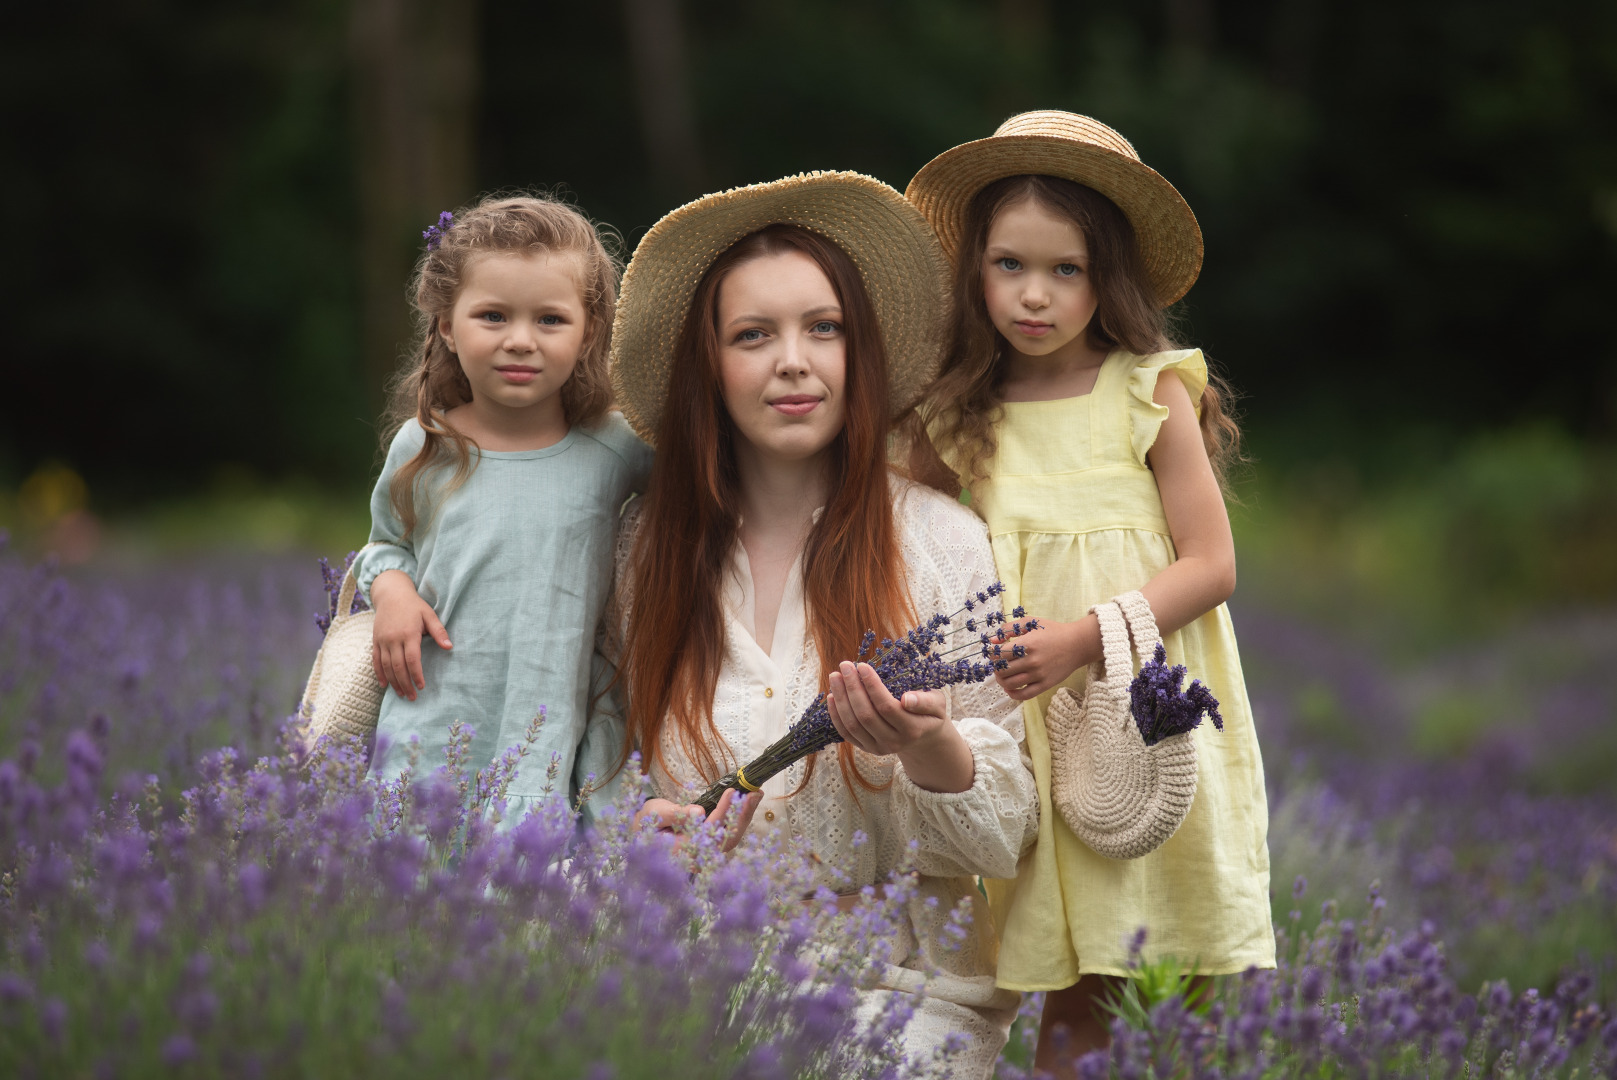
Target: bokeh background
(1410,212)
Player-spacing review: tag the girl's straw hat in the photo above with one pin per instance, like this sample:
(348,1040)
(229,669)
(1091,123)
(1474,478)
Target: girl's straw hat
(1072,147)
(894,249)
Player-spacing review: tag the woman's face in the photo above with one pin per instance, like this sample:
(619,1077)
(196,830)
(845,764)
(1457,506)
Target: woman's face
(782,355)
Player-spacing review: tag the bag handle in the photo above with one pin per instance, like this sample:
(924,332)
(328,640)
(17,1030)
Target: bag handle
(1124,620)
(1142,623)
(350,585)
(1114,643)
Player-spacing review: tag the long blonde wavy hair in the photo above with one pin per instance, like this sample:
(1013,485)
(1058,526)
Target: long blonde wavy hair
(963,403)
(431,382)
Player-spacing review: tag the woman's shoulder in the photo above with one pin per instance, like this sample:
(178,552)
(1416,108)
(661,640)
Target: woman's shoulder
(938,528)
(920,506)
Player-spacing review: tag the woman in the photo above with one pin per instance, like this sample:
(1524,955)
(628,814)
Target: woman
(764,339)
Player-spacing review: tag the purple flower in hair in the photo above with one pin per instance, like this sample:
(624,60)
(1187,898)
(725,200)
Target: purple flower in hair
(434,234)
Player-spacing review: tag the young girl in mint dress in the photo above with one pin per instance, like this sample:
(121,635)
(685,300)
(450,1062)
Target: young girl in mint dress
(493,521)
(1091,446)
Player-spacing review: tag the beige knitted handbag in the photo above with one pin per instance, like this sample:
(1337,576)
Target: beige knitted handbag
(1120,796)
(343,697)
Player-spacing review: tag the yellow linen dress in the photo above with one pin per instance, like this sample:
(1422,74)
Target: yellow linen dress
(1075,518)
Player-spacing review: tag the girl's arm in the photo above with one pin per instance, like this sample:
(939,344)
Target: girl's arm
(386,574)
(402,620)
(1201,578)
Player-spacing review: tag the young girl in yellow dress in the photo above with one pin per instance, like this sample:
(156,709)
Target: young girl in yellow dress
(1093,449)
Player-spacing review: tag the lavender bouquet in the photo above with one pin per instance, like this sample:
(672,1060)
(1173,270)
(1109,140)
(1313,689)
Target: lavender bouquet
(1161,708)
(963,647)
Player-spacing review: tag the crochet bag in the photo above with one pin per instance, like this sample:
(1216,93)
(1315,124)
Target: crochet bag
(1118,795)
(343,697)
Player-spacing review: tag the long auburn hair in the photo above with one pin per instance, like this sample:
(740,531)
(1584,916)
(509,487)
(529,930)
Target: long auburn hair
(853,576)
(963,402)
(432,382)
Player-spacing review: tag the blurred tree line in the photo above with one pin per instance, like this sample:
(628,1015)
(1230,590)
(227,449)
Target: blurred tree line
(1410,207)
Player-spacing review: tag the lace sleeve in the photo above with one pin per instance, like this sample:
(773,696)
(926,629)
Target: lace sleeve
(984,829)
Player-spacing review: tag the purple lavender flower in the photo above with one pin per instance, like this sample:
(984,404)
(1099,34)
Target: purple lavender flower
(941,651)
(1161,708)
(331,580)
(434,234)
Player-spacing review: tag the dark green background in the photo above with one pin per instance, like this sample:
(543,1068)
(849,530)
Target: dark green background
(1410,207)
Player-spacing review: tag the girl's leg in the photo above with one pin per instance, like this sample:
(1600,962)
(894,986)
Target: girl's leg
(1074,1023)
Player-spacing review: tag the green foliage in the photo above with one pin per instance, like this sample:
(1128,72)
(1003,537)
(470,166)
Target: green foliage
(203,221)
(1459,540)
(1152,982)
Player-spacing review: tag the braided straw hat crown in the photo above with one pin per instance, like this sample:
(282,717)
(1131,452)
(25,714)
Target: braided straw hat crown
(1072,147)
(897,255)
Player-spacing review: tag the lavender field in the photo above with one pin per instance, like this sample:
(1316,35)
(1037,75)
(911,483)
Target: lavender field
(180,896)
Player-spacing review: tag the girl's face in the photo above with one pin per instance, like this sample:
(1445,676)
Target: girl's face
(782,355)
(1036,280)
(517,328)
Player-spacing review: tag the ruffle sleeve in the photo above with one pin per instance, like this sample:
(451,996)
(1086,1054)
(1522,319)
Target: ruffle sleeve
(1145,415)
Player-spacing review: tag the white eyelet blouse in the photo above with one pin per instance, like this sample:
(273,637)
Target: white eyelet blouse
(980,831)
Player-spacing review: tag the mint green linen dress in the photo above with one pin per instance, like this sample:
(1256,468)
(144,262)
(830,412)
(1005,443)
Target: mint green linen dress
(517,562)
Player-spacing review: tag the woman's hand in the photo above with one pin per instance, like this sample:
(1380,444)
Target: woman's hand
(667,816)
(917,729)
(402,619)
(1048,655)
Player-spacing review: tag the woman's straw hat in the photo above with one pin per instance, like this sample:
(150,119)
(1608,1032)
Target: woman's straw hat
(1072,147)
(894,249)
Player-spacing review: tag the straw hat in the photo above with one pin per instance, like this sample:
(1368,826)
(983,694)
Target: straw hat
(890,243)
(1072,147)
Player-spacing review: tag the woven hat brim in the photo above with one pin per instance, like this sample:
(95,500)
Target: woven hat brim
(1165,228)
(895,251)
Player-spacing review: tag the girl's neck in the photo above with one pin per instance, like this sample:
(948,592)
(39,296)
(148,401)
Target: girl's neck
(495,427)
(1068,372)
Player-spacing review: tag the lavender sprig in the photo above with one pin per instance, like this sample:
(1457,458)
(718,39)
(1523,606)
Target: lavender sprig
(935,654)
(434,234)
(1160,708)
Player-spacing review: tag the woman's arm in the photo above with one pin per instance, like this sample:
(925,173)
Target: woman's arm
(917,730)
(1201,577)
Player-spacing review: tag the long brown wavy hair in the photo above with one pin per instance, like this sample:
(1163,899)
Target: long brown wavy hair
(963,403)
(432,382)
(853,572)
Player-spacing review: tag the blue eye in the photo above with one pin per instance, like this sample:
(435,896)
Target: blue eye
(550,320)
(1068,270)
(492,316)
(825,326)
(1008,264)
(750,335)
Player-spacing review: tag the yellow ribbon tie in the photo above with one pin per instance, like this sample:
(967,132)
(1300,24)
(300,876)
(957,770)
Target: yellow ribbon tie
(746,785)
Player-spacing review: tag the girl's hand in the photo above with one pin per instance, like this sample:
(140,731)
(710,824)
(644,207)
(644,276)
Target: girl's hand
(917,730)
(402,619)
(667,816)
(1049,655)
